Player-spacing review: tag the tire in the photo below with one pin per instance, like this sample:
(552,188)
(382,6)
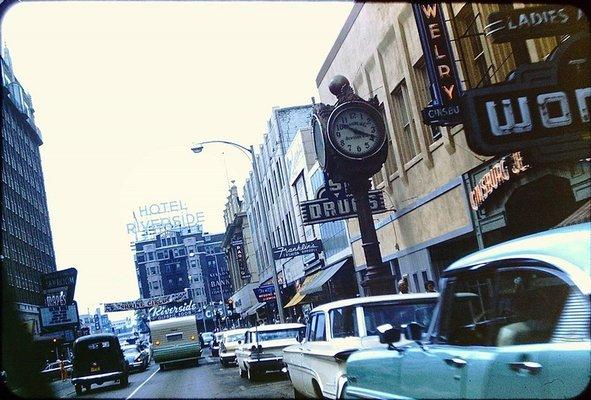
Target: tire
(297,394)
(162,367)
(78,388)
(124,381)
(317,390)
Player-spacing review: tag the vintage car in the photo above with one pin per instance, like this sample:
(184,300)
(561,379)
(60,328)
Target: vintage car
(136,356)
(98,359)
(262,348)
(512,322)
(205,338)
(228,345)
(334,330)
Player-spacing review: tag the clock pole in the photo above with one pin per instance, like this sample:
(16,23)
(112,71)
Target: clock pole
(378,279)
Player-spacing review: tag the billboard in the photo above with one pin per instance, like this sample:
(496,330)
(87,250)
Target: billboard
(58,287)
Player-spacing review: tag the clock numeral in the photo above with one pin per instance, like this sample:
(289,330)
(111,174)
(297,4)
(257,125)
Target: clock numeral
(359,149)
(338,134)
(367,145)
(342,142)
(352,115)
(373,129)
(349,146)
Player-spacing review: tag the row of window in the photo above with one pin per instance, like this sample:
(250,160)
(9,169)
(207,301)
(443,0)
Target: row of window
(28,188)
(24,211)
(26,232)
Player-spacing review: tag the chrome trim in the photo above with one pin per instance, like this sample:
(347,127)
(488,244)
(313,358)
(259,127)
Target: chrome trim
(99,376)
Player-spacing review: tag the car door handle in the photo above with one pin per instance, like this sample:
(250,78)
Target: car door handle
(456,362)
(529,366)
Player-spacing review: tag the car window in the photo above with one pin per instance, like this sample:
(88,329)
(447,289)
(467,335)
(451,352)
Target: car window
(311,327)
(396,315)
(278,334)
(503,307)
(343,322)
(320,330)
(233,338)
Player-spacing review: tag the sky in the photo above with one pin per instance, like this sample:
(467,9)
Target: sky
(121,91)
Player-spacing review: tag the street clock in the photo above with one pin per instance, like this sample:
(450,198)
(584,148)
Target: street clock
(356,130)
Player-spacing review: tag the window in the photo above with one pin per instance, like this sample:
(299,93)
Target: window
(320,331)
(277,334)
(343,322)
(424,97)
(311,327)
(396,315)
(409,141)
(502,307)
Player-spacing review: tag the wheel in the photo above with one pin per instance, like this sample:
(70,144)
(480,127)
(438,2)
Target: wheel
(162,368)
(297,394)
(87,387)
(252,375)
(78,389)
(124,381)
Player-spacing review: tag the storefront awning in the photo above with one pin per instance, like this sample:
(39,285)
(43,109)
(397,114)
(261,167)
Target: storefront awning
(299,296)
(254,308)
(323,277)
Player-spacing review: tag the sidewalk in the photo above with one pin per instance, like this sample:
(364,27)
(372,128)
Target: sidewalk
(62,388)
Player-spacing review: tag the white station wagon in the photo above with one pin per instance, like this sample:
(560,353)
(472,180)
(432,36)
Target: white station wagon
(262,348)
(317,365)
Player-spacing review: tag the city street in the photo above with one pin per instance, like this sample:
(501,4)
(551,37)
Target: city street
(208,380)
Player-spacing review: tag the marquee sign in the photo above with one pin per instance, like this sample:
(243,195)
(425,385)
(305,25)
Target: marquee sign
(146,303)
(59,316)
(534,22)
(499,172)
(166,311)
(333,203)
(445,88)
(58,287)
(542,107)
(238,245)
(297,249)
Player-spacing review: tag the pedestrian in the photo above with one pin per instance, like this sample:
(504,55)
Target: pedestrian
(403,286)
(430,287)
(63,372)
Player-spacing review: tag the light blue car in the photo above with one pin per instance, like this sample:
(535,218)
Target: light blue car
(513,321)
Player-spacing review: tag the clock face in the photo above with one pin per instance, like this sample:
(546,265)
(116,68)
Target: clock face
(356,131)
(318,140)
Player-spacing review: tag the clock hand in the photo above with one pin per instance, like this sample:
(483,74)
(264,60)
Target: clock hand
(358,131)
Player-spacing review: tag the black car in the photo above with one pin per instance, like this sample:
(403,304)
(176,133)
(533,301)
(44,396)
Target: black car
(98,359)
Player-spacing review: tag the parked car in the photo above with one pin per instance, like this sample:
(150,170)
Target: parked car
(512,322)
(206,338)
(214,345)
(262,349)
(98,359)
(334,330)
(52,370)
(229,344)
(136,356)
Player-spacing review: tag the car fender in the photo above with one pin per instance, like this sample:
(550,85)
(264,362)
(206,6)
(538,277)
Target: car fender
(341,382)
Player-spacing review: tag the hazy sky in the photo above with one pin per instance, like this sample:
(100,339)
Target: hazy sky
(122,90)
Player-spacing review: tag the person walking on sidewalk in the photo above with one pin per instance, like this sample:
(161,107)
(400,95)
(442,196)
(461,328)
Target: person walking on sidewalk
(63,372)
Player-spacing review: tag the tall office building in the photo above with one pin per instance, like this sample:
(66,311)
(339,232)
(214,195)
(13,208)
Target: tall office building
(27,245)
(183,258)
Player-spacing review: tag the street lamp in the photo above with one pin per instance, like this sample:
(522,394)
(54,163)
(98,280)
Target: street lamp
(197,148)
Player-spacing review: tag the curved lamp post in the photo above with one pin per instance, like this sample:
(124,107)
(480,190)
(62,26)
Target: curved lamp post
(197,148)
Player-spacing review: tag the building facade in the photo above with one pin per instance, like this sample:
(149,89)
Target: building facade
(430,173)
(27,244)
(275,204)
(183,259)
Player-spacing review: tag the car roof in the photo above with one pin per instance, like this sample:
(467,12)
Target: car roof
(376,299)
(97,337)
(172,321)
(570,245)
(275,327)
(235,331)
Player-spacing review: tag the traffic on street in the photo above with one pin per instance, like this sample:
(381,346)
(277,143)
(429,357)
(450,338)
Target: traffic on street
(297,199)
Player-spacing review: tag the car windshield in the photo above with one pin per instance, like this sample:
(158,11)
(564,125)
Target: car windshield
(234,337)
(130,350)
(396,315)
(278,334)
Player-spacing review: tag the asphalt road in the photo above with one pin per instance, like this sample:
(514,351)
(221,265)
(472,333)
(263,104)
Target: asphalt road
(185,381)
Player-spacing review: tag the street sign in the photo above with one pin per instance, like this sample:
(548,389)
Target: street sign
(297,249)
(333,203)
